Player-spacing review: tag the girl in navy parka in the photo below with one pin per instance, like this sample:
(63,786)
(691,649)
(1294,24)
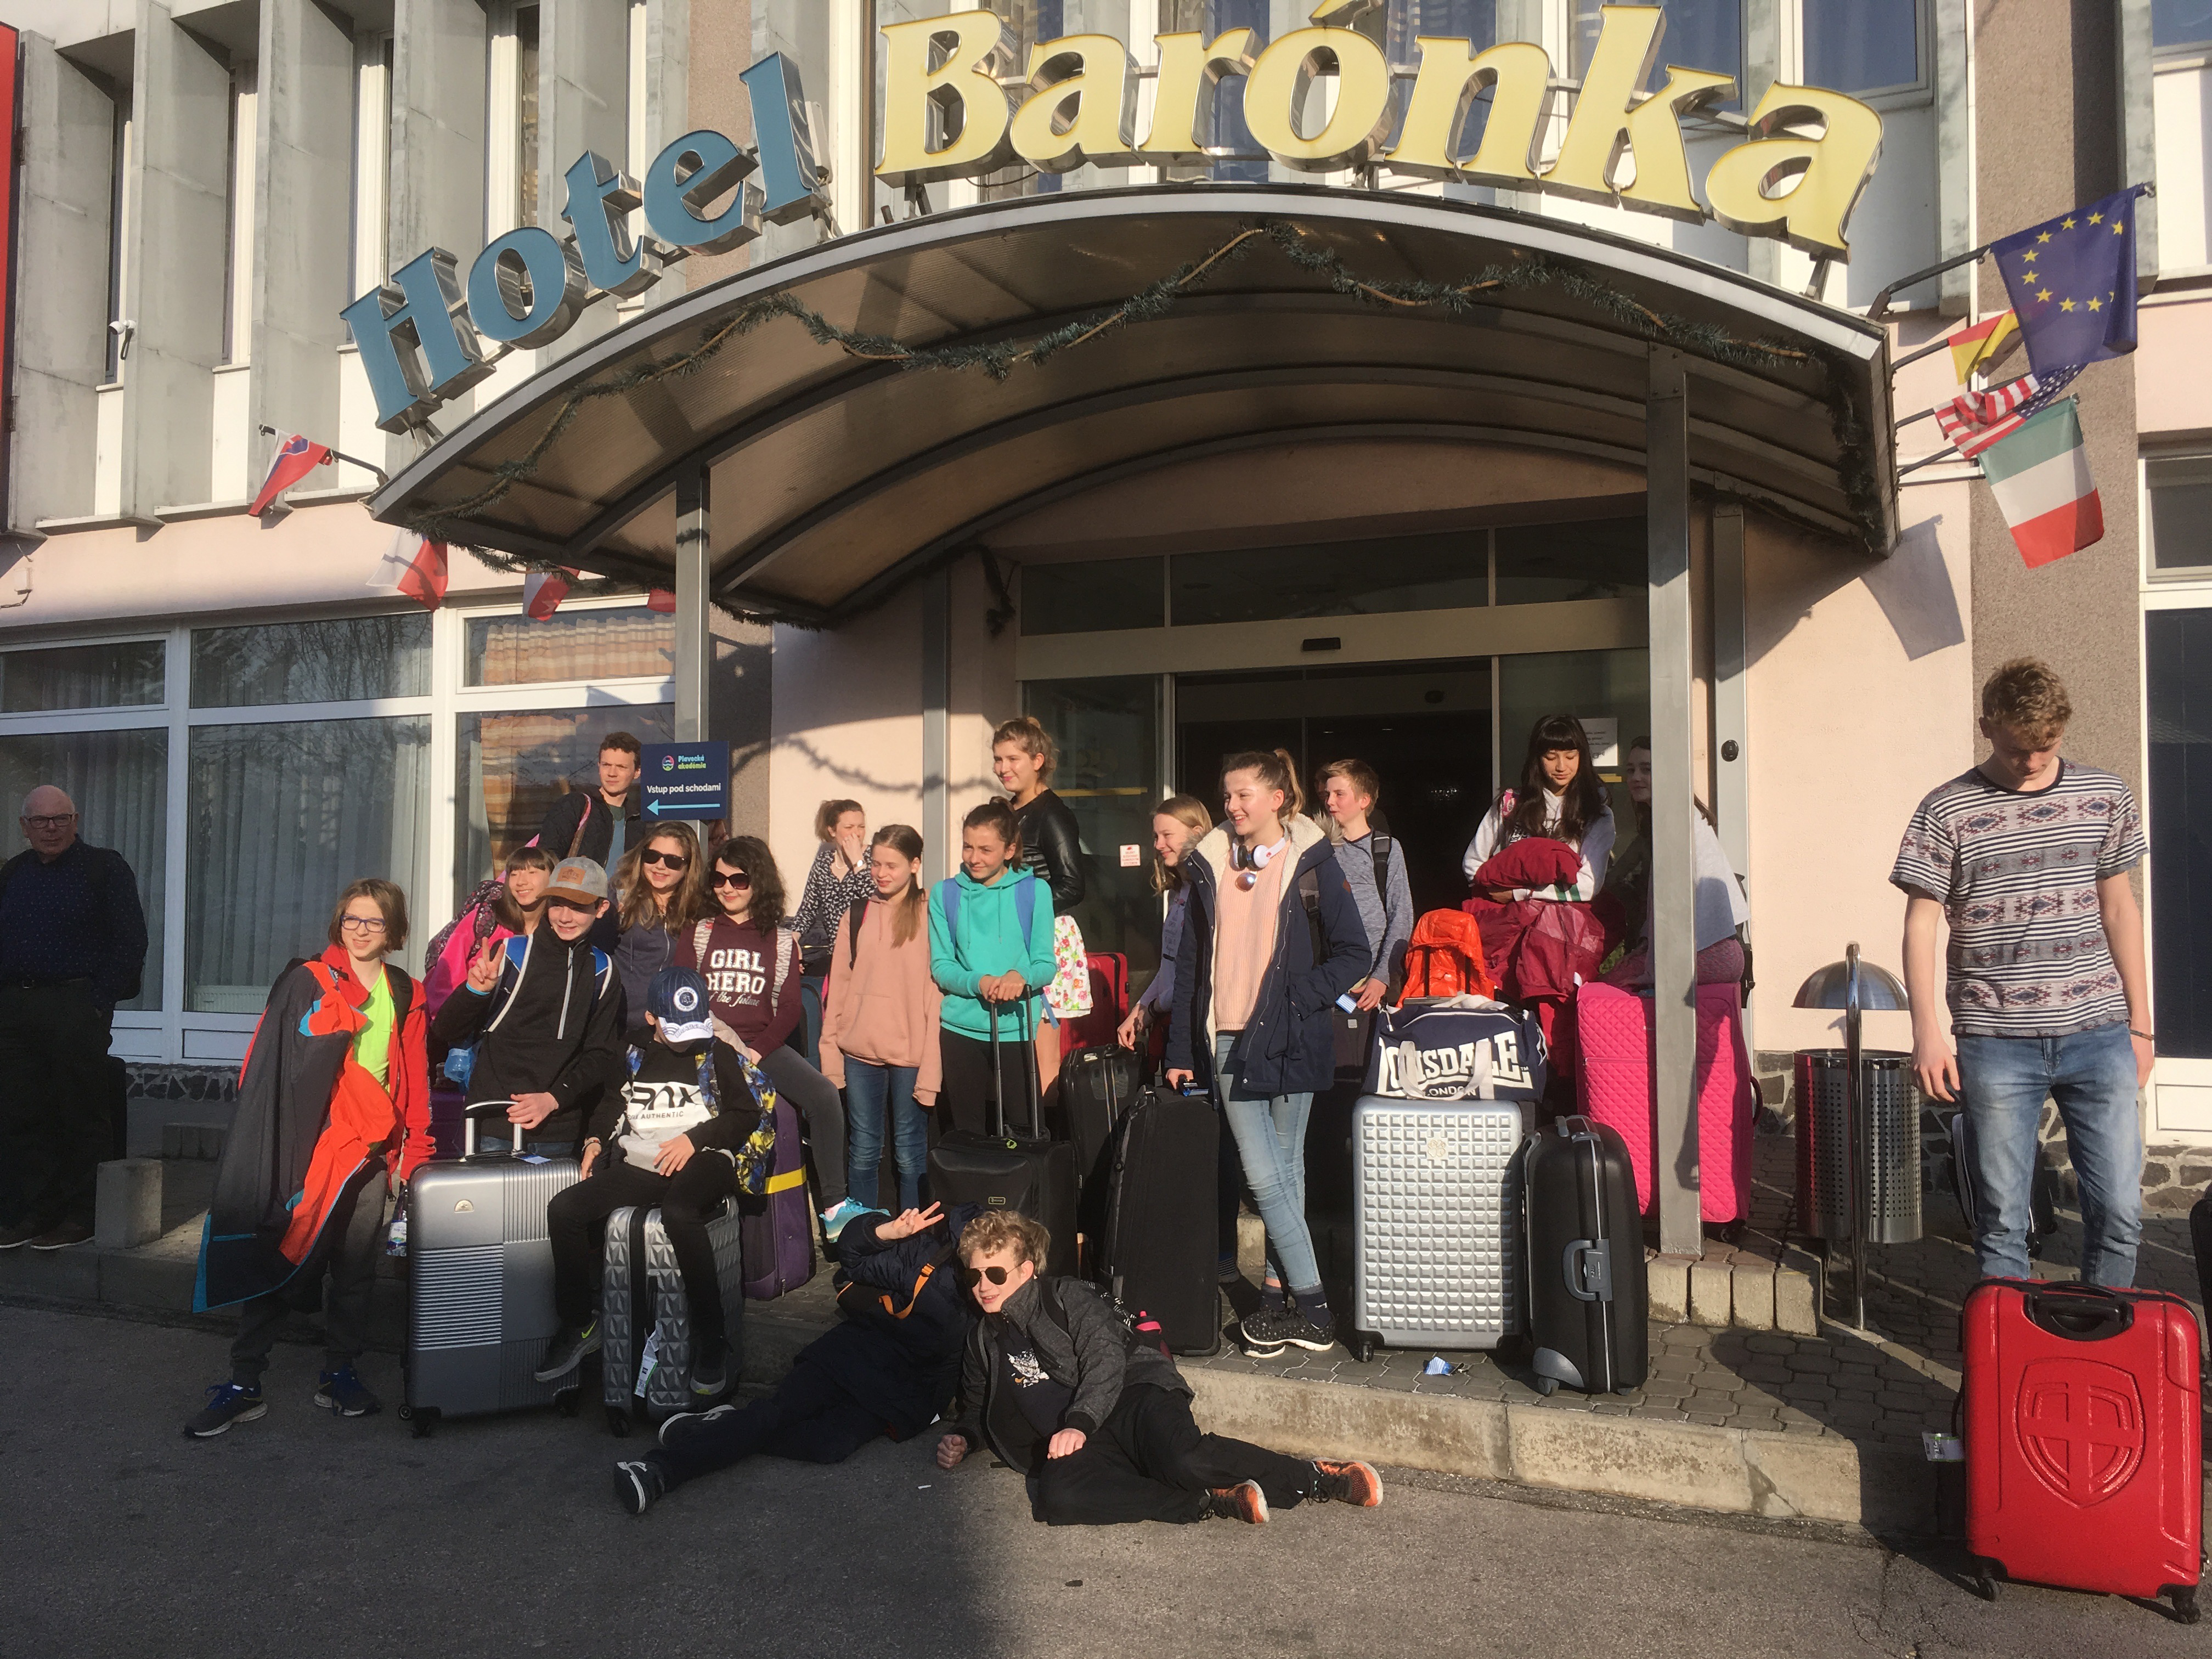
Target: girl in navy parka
(1271,937)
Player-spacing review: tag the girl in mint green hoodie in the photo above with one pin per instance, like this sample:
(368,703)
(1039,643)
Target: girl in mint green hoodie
(990,945)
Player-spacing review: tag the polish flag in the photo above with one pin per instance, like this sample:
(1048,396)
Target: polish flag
(295,461)
(414,566)
(660,599)
(543,591)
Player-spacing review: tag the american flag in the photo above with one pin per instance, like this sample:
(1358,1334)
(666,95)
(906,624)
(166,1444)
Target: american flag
(1975,420)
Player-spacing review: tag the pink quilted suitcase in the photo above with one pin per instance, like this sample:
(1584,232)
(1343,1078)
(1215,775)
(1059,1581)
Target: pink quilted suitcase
(1613,1086)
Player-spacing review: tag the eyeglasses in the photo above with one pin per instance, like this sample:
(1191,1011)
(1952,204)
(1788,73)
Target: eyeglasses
(729,879)
(654,855)
(969,1276)
(51,820)
(362,924)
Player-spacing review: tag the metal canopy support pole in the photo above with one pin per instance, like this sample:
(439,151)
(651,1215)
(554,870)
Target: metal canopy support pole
(1731,700)
(936,700)
(695,644)
(1673,881)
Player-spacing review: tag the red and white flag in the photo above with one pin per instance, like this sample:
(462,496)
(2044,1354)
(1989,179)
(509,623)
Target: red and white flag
(660,599)
(543,591)
(415,567)
(294,460)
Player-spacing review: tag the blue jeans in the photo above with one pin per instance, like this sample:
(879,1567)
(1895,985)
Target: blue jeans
(1271,1143)
(870,1091)
(2004,1082)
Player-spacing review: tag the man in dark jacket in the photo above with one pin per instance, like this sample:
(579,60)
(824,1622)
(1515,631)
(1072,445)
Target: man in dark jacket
(545,1013)
(599,824)
(1060,1388)
(888,1368)
(72,945)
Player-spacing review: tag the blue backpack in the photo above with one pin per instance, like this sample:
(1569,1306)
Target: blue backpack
(948,892)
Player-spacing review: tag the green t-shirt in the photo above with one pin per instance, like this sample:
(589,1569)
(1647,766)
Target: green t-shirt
(372,1044)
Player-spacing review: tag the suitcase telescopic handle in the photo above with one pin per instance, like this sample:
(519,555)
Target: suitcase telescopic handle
(2079,1313)
(470,1118)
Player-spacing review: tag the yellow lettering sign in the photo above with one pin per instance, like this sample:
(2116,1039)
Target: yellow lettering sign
(1191,67)
(1277,94)
(1605,126)
(944,66)
(1831,170)
(1452,74)
(1082,105)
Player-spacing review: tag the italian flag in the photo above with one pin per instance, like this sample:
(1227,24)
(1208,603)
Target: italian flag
(2040,476)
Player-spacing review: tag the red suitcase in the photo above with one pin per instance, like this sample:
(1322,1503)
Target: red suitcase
(2081,1435)
(1109,1004)
(1613,1086)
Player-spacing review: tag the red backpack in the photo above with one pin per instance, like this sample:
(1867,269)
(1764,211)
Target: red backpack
(1445,958)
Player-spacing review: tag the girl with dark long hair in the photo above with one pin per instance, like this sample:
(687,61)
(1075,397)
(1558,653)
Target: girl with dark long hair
(662,884)
(1559,795)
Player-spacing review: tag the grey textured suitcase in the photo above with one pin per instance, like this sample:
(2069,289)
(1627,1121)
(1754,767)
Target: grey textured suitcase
(1435,1209)
(480,1266)
(645,1319)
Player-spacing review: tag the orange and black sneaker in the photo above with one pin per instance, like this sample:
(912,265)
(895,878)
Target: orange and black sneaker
(1347,1483)
(1243,1501)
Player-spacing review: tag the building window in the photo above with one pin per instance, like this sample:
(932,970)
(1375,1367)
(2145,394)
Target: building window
(2180,516)
(1862,45)
(344,661)
(120,783)
(49,678)
(632,642)
(526,114)
(1332,578)
(513,765)
(280,817)
(1094,596)
(2178,660)
(1540,565)
(2180,25)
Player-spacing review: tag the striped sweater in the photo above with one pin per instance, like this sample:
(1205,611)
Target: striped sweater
(2017,877)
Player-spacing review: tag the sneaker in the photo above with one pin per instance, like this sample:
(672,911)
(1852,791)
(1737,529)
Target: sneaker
(1244,1502)
(227,1403)
(845,1210)
(675,1430)
(62,1237)
(1267,1333)
(1353,1483)
(637,1483)
(343,1392)
(567,1351)
(710,1373)
(1227,1270)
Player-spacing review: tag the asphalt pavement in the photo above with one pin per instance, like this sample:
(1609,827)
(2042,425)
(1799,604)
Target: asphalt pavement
(305,1535)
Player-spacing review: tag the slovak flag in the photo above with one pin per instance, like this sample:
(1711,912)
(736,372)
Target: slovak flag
(295,461)
(415,567)
(660,599)
(543,591)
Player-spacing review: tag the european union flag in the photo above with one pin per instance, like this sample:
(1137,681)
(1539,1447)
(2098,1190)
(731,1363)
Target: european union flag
(2072,282)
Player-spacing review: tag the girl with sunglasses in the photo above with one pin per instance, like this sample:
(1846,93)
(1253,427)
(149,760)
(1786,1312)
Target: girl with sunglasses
(662,886)
(750,958)
(1271,937)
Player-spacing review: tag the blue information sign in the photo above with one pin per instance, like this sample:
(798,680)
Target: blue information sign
(687,780)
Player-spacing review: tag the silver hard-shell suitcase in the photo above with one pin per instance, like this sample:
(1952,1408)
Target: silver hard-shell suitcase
(1436,1210)
(645,1322)
(480,1269)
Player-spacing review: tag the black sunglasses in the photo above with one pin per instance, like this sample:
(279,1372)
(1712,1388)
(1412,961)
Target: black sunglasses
(969,1276)
(728,878)
(654,855)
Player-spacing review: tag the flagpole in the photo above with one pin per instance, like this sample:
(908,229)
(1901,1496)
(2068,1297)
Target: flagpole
(1879,308)
(382,476)
(1928,460)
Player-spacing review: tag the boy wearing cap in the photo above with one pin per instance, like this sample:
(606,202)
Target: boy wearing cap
(670,1139)
(541,1015)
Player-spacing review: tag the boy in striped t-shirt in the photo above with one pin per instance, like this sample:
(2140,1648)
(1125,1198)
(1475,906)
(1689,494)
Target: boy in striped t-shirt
(2027,857)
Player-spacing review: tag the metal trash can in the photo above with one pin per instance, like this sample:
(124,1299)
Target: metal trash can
(1889,1146)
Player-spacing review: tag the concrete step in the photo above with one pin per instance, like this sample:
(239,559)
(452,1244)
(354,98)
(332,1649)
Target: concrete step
(194,1140)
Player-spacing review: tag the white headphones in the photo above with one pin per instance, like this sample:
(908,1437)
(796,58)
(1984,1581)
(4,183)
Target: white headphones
(1248,864)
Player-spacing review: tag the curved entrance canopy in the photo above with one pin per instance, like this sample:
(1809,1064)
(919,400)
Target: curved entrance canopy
(833,477)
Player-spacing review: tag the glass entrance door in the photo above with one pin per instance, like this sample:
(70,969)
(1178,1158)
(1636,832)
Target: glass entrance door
(1107,731)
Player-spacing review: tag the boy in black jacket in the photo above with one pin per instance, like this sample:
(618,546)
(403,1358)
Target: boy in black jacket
(1058,1387)
(545,1013)
(670,1136)
(889,1367)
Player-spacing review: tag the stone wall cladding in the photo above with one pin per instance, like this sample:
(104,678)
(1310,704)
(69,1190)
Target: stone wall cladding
(216,1084)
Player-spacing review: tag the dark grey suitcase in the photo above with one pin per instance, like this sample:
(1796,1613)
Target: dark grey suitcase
(645,1319)
(480,1268)
(1590,1305)
(1436,1210)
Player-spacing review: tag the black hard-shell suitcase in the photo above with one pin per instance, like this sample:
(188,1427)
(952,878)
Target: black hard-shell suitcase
(1590,1305)
(1035,1174)
(1096,1085)
(1159,1255)
(480,1278)
(2200,1239)
(645,1318)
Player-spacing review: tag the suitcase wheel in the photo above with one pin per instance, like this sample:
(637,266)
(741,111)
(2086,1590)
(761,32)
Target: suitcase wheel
(1985,1580)
(1547,1386)
(618,1422)
(1363,1347)
(422,1418)
(569,1401)
(2184,1604)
